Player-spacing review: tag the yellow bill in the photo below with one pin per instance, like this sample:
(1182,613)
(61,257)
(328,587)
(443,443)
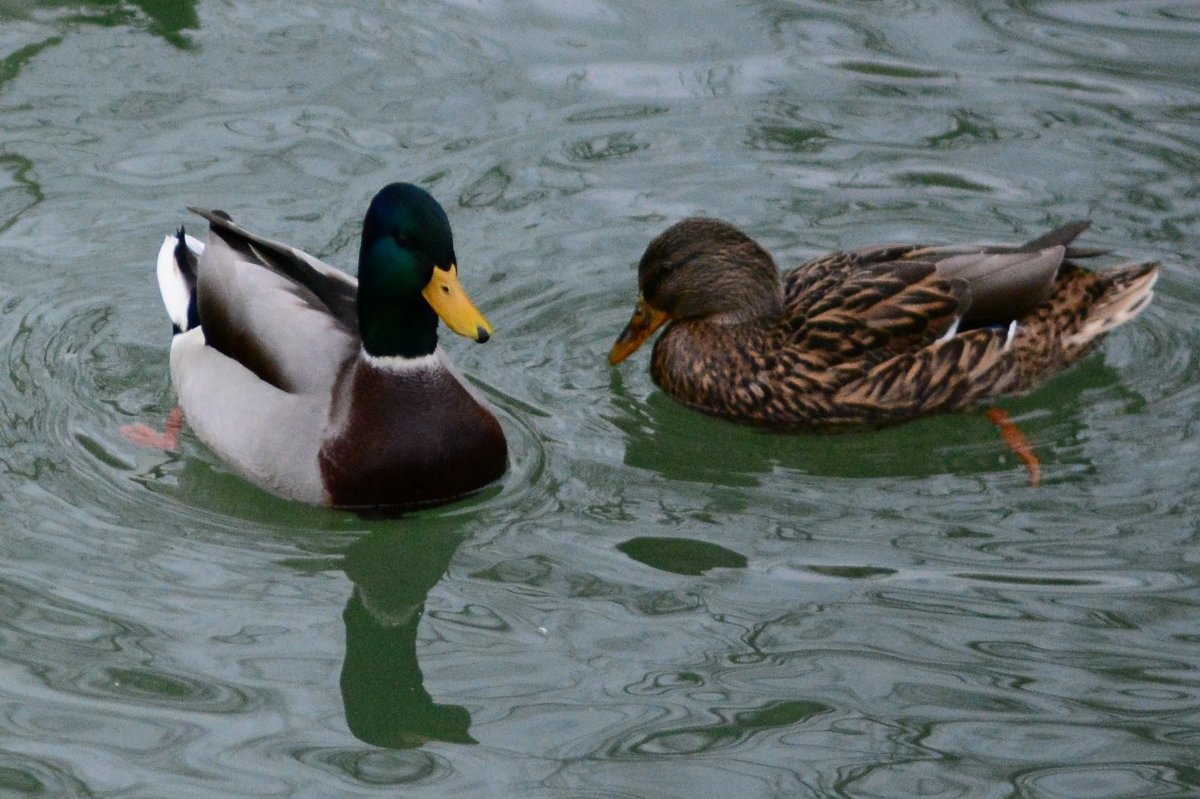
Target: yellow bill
(446,296)
(645,320)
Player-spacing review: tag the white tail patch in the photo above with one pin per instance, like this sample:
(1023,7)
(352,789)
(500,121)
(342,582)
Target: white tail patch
(174,287)
(1116,310)
(1012,334)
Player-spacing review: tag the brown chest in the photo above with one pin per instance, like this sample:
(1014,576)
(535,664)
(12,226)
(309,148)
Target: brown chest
(409,440)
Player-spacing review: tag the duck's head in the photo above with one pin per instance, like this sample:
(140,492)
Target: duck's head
(408,276)
(700,269)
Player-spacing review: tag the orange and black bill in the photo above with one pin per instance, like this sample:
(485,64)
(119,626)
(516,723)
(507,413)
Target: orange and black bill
(645,320)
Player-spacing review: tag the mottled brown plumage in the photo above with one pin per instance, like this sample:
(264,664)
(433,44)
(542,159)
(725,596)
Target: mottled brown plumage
(880,334)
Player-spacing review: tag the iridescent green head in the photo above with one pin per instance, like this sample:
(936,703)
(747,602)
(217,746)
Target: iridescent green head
(408,276)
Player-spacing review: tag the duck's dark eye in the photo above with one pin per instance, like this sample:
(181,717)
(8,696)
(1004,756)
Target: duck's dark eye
(400,239)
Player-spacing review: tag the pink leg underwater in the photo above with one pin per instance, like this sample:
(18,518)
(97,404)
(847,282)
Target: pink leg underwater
(146,436)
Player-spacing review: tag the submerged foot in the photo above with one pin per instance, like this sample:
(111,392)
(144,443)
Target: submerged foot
(1017,442)
(146,436)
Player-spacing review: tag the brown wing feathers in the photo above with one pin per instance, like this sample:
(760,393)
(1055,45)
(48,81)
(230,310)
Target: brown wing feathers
(948,374)
(879,311)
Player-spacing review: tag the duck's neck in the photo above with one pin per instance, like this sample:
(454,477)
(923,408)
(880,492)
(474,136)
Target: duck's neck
(400,364)
(400,331)
(761,318)
(703,364)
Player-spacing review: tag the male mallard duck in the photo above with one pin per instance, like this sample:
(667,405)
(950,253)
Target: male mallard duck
(326,389)
(880,334)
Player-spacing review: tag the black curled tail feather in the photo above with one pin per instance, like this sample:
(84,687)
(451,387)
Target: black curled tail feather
(187,262)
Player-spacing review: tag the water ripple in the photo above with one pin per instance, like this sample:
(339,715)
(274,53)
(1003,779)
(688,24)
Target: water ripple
(1107,781)
(374,767)
(154,688)
(28,775)
(733,728)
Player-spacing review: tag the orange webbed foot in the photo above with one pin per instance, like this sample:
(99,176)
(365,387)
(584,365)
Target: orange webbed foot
(1017,442)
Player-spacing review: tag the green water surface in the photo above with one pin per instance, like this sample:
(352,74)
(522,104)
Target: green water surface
(652,603)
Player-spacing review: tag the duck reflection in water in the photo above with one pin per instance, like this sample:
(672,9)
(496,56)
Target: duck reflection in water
(393,566)
(383,688)
(170,19)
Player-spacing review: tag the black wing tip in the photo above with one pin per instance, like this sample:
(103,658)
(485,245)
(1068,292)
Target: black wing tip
(214,216)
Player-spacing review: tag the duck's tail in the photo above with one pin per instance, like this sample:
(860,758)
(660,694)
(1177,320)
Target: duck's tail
(1083,307)
(176,270)
(1126,291)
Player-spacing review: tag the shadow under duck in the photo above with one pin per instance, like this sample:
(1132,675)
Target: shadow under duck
(880,334)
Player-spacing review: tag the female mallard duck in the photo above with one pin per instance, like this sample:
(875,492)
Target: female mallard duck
(880,334)
(324,389)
